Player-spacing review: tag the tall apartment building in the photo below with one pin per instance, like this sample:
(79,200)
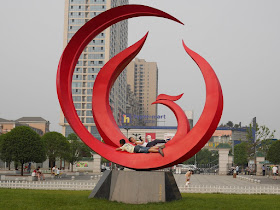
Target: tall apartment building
(106,45)
(142,77)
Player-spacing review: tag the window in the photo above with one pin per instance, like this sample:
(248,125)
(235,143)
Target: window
(100,62)
(102,41)
(72,20)
(70,27)
(79,13)
(80,7)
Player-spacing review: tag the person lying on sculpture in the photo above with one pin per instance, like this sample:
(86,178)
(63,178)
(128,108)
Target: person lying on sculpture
(138,149)
(150,143)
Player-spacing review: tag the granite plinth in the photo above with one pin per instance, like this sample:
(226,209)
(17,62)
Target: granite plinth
(137,187)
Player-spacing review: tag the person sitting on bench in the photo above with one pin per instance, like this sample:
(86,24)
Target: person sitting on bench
(138,149)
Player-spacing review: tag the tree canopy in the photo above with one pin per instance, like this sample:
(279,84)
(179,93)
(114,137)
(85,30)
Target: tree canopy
(263,137)
(5,150)
(75,147)
(24,145)
(241,153)
(56,146)
(273,154)
(204,156)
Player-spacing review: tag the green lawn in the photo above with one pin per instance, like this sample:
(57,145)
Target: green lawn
(46,199)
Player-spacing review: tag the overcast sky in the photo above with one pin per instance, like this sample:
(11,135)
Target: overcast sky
(240,39)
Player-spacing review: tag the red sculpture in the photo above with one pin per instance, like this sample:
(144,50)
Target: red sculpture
(184,144)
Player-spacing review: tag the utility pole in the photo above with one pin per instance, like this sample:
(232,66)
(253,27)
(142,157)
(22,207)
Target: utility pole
(255,141)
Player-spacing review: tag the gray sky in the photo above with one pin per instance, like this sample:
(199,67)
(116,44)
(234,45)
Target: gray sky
(240,39)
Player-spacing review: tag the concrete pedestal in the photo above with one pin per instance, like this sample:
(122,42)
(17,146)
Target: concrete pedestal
(259,165)
(223,161)
(96,163)
(137,187)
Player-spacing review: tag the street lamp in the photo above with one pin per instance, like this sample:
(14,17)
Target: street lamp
(127,129)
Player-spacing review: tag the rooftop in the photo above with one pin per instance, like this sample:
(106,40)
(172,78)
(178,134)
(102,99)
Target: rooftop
(5,121)
(31,119)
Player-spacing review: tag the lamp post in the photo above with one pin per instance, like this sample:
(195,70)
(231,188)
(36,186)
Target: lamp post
(127,129)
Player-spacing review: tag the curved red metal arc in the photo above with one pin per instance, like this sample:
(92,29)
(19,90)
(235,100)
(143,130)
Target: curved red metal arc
(183,145)
(66,67)
(167,97)
(183,123)
(212,112)
(101,110)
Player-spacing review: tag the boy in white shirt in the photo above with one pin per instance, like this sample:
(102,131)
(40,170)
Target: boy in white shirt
(138,149)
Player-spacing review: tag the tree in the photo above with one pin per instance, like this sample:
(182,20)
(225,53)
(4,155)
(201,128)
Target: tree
(265,145)
(273,154)
(262,136)
(86,151)
(56,146)
(25,145)
(229,124)
(5,151)
(204,156)
(75,148)
(236,126)
(241,153)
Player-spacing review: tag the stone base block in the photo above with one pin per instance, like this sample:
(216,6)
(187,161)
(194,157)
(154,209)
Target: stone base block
(137,187)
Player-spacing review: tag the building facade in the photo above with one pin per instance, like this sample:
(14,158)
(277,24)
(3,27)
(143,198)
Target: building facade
(35,122)
(38,124)
(224,135)
(132,108)
(142,77)
(101,49)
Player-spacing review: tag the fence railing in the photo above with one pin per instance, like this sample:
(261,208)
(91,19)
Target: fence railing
(47,185)
(230,189)
(249,179)
(71,185)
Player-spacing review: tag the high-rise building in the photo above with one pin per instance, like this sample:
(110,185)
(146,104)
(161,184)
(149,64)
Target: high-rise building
(142,77)
(102,48)
(132,108)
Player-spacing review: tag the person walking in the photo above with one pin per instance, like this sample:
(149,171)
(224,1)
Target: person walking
(237,169)
(188,177)
(274,171)
(263,170)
